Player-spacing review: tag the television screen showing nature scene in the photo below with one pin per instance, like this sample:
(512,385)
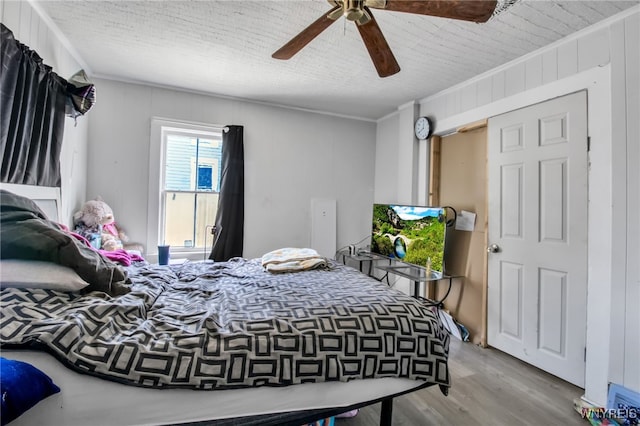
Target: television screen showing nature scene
(412,234)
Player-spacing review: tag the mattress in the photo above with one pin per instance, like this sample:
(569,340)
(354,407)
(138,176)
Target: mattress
(87,400)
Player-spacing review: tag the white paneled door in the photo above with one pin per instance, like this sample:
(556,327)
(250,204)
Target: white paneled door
(537,271)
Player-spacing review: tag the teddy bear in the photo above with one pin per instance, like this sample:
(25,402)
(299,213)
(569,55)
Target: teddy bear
(95,221)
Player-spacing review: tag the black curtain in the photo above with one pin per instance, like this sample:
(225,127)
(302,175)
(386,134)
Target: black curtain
(230,215)
(32,111)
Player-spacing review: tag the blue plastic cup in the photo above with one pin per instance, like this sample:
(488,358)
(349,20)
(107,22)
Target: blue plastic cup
(163,254)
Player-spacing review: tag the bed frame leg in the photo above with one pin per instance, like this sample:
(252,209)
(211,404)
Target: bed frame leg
(386,412)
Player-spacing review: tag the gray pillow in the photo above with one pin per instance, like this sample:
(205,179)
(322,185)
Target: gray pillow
(18,273)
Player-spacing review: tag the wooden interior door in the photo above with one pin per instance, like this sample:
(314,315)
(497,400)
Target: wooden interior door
(537,272)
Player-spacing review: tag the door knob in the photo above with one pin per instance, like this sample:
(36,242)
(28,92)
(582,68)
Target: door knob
(493,248)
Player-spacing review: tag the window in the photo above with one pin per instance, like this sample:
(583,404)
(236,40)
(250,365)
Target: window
(190,170)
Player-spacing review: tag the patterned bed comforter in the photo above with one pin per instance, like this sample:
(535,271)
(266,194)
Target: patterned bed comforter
(231,325)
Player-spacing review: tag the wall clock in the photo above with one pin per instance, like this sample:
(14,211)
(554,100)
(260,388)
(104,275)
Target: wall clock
(423,128)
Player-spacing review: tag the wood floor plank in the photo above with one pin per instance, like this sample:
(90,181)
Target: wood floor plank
(488,387)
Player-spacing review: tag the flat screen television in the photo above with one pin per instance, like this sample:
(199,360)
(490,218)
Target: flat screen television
(411,234)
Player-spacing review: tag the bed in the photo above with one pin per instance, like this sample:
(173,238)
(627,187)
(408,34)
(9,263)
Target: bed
(219,343)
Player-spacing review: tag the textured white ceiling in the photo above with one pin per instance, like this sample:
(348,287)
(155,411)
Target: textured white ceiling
(225,47)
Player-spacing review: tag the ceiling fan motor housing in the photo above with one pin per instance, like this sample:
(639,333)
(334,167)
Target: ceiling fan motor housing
(352,9)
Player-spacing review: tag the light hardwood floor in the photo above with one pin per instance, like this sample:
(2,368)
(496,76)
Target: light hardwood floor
(488,387)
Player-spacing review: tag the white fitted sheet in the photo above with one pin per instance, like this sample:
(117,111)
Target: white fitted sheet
(87,400)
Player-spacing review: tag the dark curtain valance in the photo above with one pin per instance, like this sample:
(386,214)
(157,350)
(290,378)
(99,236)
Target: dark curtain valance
(32,111)
(230,214)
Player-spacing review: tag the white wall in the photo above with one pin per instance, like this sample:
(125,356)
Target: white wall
(603,59)
(386,159)
(625,182)
(402,161)
(291,157)
(30,29)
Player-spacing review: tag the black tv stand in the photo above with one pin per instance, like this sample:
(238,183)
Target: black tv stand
(415,273)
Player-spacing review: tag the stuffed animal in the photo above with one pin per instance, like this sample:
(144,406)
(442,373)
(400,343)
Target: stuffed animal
(95,221)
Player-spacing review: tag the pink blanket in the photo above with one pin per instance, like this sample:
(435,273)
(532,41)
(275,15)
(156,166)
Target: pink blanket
(120,256)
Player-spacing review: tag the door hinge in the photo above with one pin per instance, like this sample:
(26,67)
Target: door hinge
(585,354)
(588,143)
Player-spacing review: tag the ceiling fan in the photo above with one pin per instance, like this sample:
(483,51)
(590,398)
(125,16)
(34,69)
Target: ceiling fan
(359,12)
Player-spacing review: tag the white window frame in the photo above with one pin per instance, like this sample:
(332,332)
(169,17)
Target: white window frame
(156,175)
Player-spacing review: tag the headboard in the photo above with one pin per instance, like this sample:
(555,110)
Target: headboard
(46,197)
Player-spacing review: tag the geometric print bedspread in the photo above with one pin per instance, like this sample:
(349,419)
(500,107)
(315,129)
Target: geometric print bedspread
(232,325)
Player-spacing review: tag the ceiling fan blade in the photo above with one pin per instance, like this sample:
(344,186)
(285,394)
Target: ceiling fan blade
(378,48)
(301,40)
(466,10)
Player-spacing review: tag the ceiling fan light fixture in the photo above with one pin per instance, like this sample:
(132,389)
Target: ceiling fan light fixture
(352,9)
